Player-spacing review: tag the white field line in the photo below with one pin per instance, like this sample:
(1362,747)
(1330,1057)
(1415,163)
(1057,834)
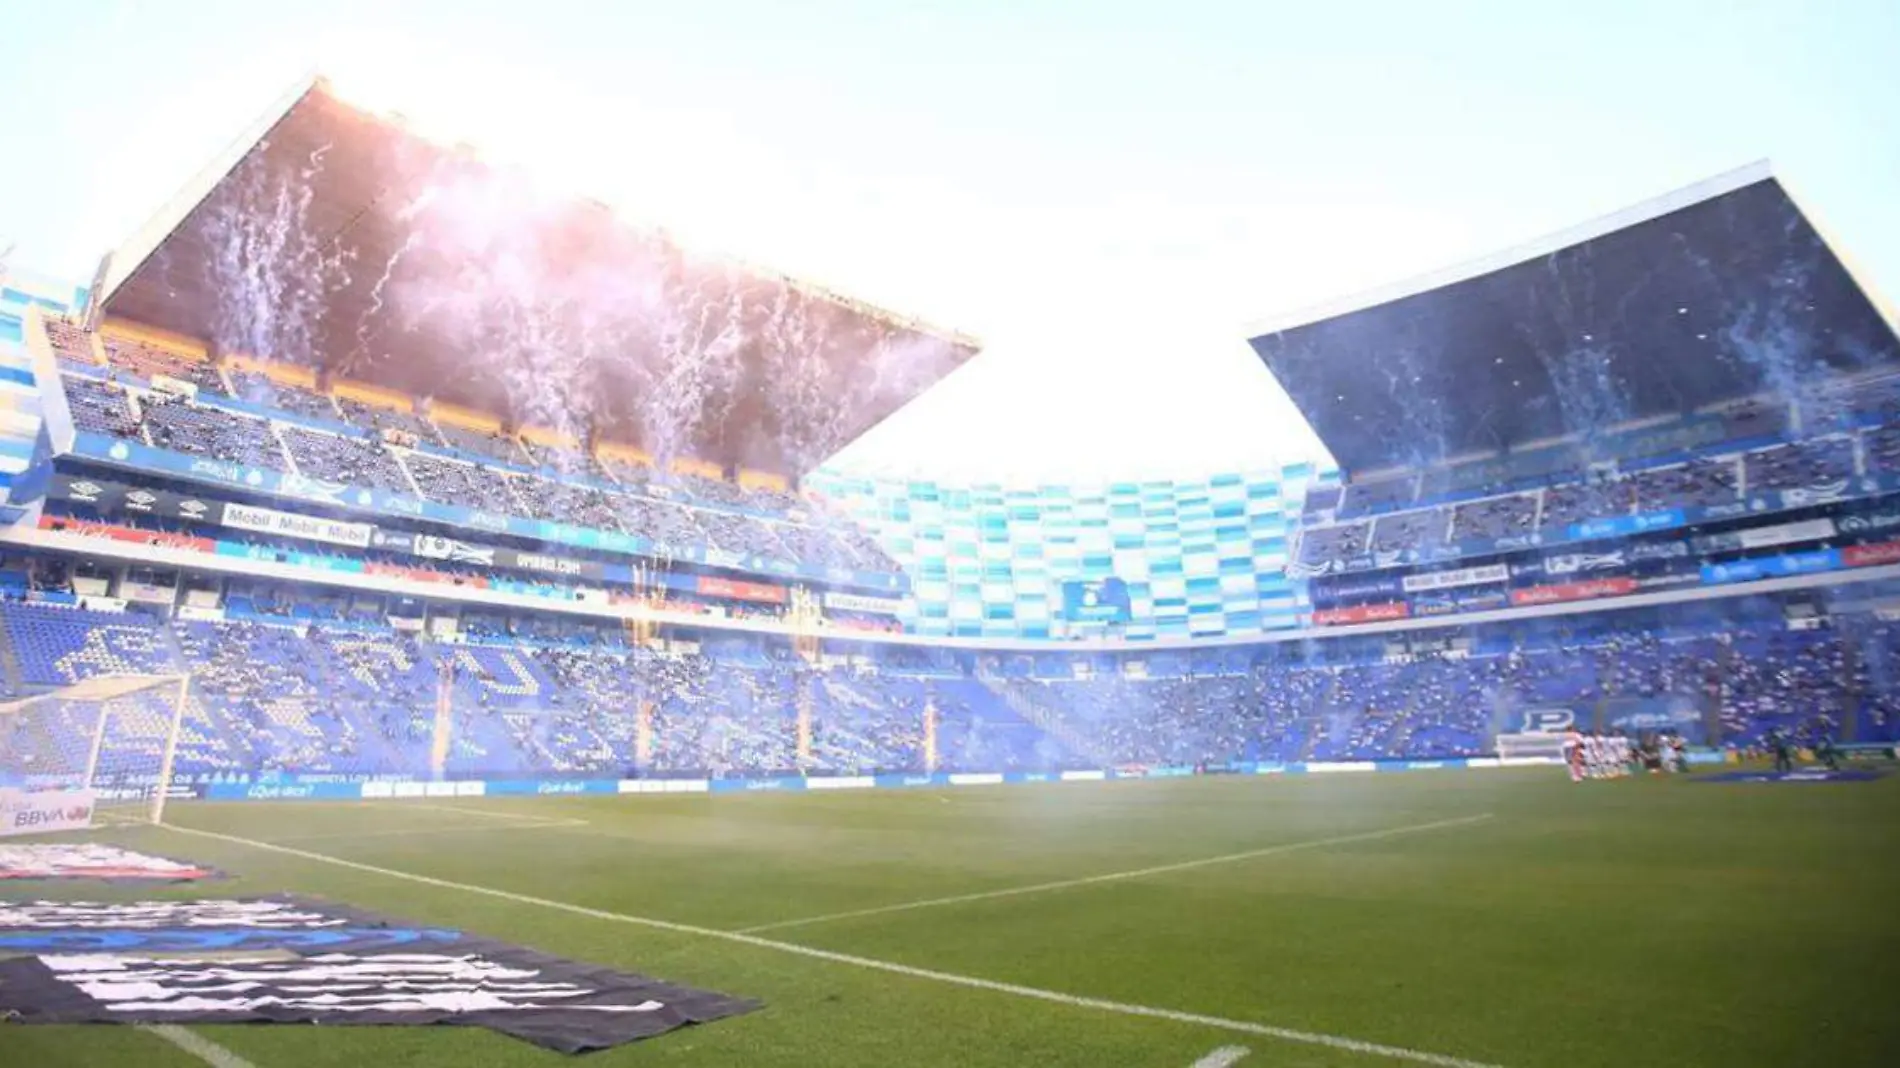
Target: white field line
(1285,1034)
(545,820)
(1118,876)
(197,1045)
(1224,1057)
(409,832)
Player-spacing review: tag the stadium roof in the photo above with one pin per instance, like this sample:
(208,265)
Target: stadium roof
(1715,292)
(331,236)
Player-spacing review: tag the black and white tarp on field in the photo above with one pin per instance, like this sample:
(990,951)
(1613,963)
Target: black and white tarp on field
(92,860)
(293,960)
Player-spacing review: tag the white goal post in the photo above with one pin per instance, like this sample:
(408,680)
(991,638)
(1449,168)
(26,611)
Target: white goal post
(113,736)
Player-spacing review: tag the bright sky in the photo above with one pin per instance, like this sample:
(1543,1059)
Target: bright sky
(1106,193)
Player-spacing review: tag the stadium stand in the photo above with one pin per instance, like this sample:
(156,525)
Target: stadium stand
(466,484)
(100,406)
(310,693)
(149,361)
(199,430)
(356,461)
(260,389)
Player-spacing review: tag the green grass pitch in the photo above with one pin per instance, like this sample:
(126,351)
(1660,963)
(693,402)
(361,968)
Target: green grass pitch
(1492,917)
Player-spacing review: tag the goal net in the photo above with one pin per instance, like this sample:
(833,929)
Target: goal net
(113,737)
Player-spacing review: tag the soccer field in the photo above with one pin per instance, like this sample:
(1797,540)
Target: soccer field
(1455,918)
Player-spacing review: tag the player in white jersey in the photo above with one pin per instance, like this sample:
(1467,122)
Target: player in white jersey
(1573,753)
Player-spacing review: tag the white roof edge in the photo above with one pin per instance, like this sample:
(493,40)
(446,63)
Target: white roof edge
(1882,307)
(1675,200)
(123,262)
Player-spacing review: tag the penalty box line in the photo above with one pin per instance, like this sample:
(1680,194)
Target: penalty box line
(1118,876)
(1121,1008)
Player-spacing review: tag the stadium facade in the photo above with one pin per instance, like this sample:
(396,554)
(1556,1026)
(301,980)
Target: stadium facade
(1644,476)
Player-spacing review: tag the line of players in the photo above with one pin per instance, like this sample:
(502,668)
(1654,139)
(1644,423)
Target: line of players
(1593,755)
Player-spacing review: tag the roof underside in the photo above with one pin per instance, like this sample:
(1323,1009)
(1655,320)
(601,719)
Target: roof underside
(342,241)
(1730,295)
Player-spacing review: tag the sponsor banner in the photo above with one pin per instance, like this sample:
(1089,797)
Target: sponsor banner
(288,524)
(557,787)
(1868,523)
(1886,552)
(1766,537)
(113,497)
(146,592)
(855,602)
(969,778)
(1323,767)
(1643,551)
(1819,493)
(1361,613)
(1619,526)
(1803,563)
(201,613)
(1084,776)
(1356,589)
(291,791)
(913,779)
(290,960)
(1571,563)
(1464,576)
(553,565)
(377,790)
(1434,605)
(746,786)
(1573,591)
(1097,601)
(91,860)
(665,786)
(45,811)
(840,782)
(1483,601)
(1030,776)
(734,589)
(400,541)
(1669,580)
(435,547)
(92,492)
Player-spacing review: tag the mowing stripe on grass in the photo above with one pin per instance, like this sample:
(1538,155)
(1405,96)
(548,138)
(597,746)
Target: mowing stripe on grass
(1117,876)
(197,1045)
(1224,1057)
(1286,1034)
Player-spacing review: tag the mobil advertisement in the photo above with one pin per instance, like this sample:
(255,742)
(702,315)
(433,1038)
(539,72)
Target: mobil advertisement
(307,527)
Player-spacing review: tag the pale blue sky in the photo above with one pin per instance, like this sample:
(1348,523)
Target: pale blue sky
(1106,193)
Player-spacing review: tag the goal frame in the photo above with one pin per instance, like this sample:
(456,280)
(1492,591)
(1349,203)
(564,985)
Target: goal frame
(105,688)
